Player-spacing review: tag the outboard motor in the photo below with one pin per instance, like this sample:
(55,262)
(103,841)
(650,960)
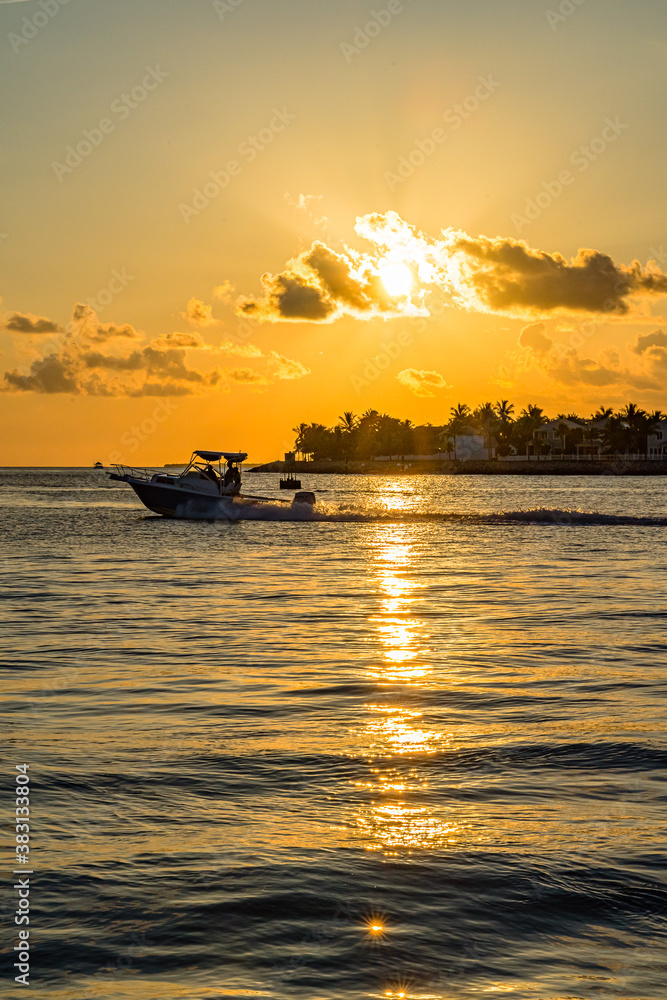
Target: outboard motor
(304,496)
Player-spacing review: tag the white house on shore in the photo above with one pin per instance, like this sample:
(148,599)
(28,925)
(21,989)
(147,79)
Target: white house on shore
(553,434)
(656,443)
(469,445)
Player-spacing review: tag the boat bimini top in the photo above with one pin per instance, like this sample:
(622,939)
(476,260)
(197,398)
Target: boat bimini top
(216,456)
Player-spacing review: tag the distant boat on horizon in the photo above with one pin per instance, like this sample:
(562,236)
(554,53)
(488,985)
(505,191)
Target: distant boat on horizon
(98,465)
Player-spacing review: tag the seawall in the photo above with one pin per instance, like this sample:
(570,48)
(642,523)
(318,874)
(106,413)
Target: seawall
(544,467)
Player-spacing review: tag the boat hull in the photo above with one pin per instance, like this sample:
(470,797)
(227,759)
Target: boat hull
(176,502)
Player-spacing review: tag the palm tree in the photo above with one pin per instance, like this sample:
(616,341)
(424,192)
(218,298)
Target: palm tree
(637,421)
(504,410)
(616,435)
(348,422)
(405,436)
(531,418)
(300,431)
(486,417)
(631,412)
(447,443)
(602,413)
(461,415)
(367,429)
(562,434)
(347,425)
(460,412)
(535,414)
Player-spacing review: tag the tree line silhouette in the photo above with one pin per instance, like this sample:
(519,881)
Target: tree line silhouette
(373,433)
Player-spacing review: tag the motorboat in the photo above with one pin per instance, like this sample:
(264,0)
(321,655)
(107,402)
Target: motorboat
(211,482)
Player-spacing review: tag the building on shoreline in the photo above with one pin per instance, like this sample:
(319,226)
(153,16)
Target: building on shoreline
(656,444)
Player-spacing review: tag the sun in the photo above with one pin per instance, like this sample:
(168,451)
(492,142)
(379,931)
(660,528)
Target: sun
(396,278)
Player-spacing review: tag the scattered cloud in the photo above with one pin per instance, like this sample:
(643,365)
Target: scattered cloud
(568,368)
(241,350)
(27,323)
(308,203)
(534,336)
(224,292)
(646,341)
(90,361)
(191,341)
(562,364)
(85,325)
(653,349)
(198,313)
(285,368)
(422,383)
(47,375)
(246,376)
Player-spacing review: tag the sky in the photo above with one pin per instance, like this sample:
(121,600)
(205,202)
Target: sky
(223,218)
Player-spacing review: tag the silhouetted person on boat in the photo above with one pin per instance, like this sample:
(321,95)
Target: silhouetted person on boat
(232,476)
(211,473)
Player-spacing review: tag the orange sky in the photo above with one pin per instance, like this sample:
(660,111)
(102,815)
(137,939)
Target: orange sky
(162,157)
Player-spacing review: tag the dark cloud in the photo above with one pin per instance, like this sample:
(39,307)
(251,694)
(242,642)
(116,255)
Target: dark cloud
(86,326)
(319,285)
(152,360)
(509,276)
(159,389)
(27,323)
(288,297)
(162,370)
(645,341)
(95,359)
(169,340)
(169,363)
(246,376)
(52,374)
(333,271)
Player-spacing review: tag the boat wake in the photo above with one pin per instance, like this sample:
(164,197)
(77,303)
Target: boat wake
(334,513)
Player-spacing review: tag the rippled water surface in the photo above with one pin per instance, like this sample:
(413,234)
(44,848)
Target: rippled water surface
(434,706)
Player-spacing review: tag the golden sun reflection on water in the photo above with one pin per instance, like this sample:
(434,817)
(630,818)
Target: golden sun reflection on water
(397,815)
(396,733)
(401,638)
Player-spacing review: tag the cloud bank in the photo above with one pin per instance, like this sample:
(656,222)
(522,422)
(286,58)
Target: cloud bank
(89,360)
(497,275)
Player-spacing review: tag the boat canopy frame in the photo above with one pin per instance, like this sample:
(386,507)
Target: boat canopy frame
(235,457)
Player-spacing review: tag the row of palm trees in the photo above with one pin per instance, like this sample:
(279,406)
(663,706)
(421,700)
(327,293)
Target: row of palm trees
(374,433)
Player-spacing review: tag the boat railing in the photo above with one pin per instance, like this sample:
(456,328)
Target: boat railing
(145,474)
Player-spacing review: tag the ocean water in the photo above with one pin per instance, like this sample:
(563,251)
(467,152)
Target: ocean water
(408,744)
